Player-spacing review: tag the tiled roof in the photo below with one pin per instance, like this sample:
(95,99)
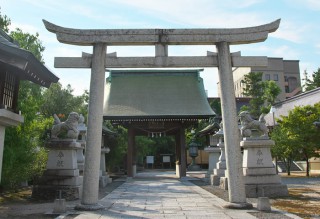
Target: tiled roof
(282,108)
(151,94)
(23,62)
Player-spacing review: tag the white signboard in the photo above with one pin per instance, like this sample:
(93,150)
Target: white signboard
(166,159)
(150,159)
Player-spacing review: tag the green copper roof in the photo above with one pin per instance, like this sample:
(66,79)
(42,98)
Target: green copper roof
(155,94)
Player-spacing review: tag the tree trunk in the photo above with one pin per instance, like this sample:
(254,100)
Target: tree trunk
(288,167)
(308,167)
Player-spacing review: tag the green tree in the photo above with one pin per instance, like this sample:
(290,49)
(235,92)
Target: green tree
(116,158)
(59,100)
(271,91)
(29,42)
(298,135)
(5,22)
(263,93)
(216,106)
(285,148)
(23,158)
(314,82)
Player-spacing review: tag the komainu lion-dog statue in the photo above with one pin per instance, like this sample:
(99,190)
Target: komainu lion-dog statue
(248,123)
(69,126)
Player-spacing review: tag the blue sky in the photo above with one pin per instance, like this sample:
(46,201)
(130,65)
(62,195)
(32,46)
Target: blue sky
(296,39)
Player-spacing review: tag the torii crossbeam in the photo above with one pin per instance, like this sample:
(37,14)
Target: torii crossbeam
(161,38)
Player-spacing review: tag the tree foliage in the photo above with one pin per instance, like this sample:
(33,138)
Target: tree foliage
(263,93)
(116,158)
(29,42)
(314,82)
(216,106)
(24,154)
(59,100)
(297,137)
(5,22)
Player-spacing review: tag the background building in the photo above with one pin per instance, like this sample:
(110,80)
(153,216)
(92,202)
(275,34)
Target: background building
(286,73)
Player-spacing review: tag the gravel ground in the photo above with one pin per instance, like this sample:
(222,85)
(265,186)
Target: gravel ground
(28,209)
(35,210)
(301,182)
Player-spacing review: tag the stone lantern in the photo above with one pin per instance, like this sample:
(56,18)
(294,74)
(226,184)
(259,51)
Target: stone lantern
(221,166)
(193,153)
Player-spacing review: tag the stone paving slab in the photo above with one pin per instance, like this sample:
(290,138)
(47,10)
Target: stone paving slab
(162,198)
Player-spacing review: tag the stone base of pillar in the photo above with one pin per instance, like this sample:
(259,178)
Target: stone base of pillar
(93,207)
(223,183)
(266,190)
(243,205)
(50,192)
(214,180)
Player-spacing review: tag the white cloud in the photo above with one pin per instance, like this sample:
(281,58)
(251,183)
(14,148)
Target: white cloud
(202,13)
(291,31)
(313,5)
(286,52)
(26,28)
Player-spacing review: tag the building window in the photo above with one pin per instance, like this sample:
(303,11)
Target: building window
(8,90)
(267,77)
(275,77)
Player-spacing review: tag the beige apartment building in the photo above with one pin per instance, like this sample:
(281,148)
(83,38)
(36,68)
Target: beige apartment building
(286,73)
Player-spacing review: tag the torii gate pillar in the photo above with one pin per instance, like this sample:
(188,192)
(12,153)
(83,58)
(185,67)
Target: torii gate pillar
(89,198)
(230,128)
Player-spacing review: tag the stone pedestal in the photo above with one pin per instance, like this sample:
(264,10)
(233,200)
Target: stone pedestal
(80,158)
(104,177)
(82,140)
(214,154)
(62,173)
(259,173)
(221,167)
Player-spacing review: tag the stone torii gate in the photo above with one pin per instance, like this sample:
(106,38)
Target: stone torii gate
(161,38)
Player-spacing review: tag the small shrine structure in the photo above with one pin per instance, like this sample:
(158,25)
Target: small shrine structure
(16,64)
(156,102)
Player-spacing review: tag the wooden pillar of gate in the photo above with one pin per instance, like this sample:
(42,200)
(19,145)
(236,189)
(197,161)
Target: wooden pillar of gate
(130,152)
(178,154)
(183,163)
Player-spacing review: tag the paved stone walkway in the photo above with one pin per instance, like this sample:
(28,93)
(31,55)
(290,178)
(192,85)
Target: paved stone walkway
(165,197)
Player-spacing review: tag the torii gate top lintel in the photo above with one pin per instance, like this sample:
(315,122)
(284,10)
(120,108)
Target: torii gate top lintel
(205,36)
